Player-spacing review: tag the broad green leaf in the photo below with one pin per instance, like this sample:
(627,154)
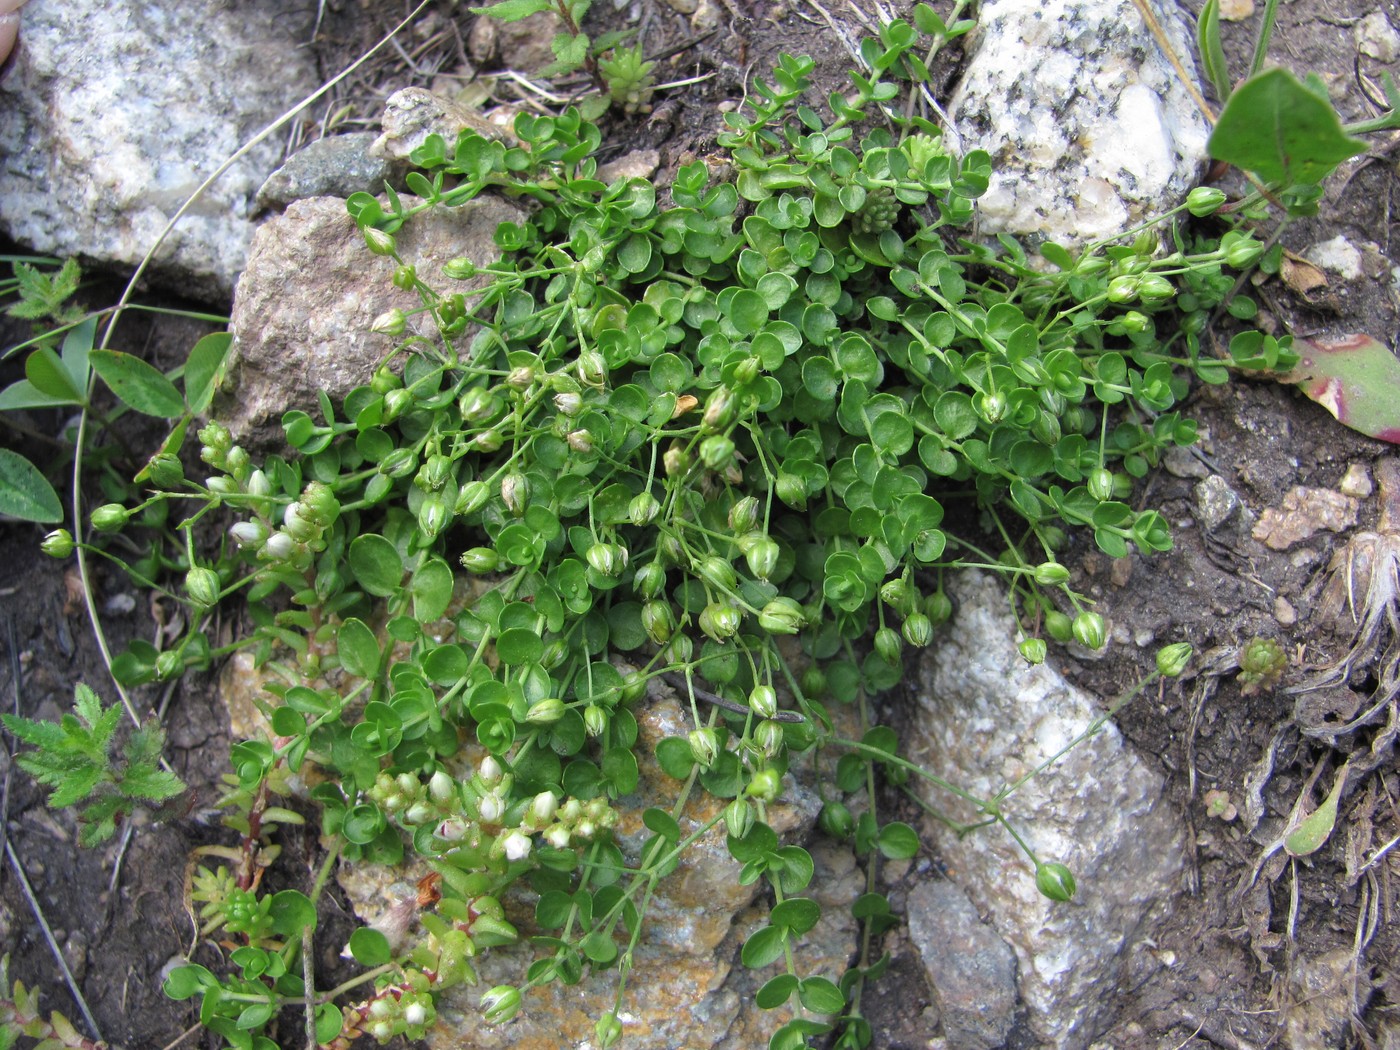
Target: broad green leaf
(138,384)
(763,947)
(376,564)
(370,947)
(898,841)
(821,995)
(358,648)
(1355,378)
(1281,130)
(46,373)
(292,912)
(24,492)
(796,915)
(513,10)
(204,369)
(24,394)
(431,589)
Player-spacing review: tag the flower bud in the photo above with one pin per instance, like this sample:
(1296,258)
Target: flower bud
(257,484)
(167,472)
(1204,200)
(1101,484)
(991,407)
(1058,626)
(545,712)
(917,630)
(650,580)
(676,461)
(432,515)
(769,737)
(521,377)
(202,585)
(168,665)
(399,463)
(516,845)
(543,807)
(459,269)
(608,1030)
(704,747)
(441,786)
(1172,659)
(568,403)
(938,607)
(716,451)
(58,544)
(434,474)
(109,517)
(471,497)
(490,808)
(898,595)
(480,560)
(889,645)
(720,620)
(1243,253)
(643,509)
(415,1014)
(792,491)
(719,409)
(1123,289)
(717,571)
(490,771)
(515,492)
(1055,881)
(657,621)
(390,322)
(1033,650)
(1155,288)
(249,534)
(738,818)
(489,440)
(781,616)
(1051,574)
(592,369)
(1088,630)
(813,682)
(680,649)
(379,242)
(762,557)
(743,516)
(763,701)
(835,820)
(581,441)
(607,559)
(765,785)
(595,720)
(500,1004)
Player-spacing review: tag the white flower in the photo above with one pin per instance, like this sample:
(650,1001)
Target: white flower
(557,836)
(414,1014)
(490,770)
(543,808)
(490,808)
(517,846)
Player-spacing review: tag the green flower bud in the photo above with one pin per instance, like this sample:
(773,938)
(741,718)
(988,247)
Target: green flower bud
(379,242)
(917,630)
(1155,288)
(432,515)
(763,701)
(898,595)
(480,560)
(889,645)
(680,649)
(1123,289)
(515,492)
(1088,630)
(595,720)
(545,712)
(704,746)
(768,735)
(384,380)
(404,278)
(202,585)
(781,616)
(716,452)
(643,509)
(836,820)
(720,620)
(676,461)
(489,440)
(650,580)
(1145,244)
(471,497)
(168,665)
(166,471)
(1204,200)
(743,516)
(762,557)
(399,463)
(297,523)
(555,653)
(1058,626)
(813,682)
(434,474)
(390,322)
(258,484)
(765,785)
(500,1004)
(938,607)
(719,409)
(249,535)
(1135,320)
(1243,253)
(109,517)
(747,370)
(1051,574)
(216,436)
(1088,265)
(58,544)
(459,269)
(581,441)
(1055,881)
(1033,650)
(607,559)
(1101,484)
(792,491)
(396,402)
(634,687)
(738,818)
(657,621)
(1172,659)
(568,403)
(592,368)
(717,571)
(990,406)
(608,1030)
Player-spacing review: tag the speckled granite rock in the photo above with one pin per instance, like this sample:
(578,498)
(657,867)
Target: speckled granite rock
(1088,126)
(114,111)
(304,306)
(331,167)
(987,718)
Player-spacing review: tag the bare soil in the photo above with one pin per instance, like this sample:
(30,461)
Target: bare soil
(1255,952)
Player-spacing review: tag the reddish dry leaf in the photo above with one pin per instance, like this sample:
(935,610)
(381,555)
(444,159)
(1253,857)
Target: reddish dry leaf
(1355,378)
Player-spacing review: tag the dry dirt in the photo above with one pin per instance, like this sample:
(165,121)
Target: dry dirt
(1284,953)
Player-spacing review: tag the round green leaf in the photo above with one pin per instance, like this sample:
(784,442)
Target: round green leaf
(376,564)
(358,648)
(776,991)
(821,996)
(292,912)
(519,646)
(24,492)
(763,947)
(898,841)
(796,915)
(370,947)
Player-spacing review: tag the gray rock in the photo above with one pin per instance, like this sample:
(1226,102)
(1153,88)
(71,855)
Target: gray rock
(304,306)
(411,115)
(972,971)
(1089,129)
(986,719)
(331,167)
(114,111)
(1215,503)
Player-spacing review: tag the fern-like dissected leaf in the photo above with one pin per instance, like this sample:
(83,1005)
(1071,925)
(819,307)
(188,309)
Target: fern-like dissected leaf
(149,782)
(87,706)
(99,820)
(46,735)
(77,785)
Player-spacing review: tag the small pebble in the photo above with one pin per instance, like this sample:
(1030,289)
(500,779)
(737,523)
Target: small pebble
(1284,612)
(1236,10)
(1120,572)
(1377,38)
(1181,463)
(1215,502)
(1338,255)
(1356,481)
